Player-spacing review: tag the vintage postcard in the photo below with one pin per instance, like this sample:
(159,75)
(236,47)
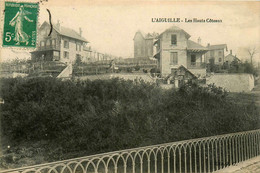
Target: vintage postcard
(129,86)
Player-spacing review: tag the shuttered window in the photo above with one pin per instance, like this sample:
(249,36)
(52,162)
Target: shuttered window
(66,54)
(174,39)
(66,44)
(174,58)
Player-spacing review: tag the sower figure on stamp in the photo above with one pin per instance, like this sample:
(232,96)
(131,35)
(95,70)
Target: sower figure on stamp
(17,21)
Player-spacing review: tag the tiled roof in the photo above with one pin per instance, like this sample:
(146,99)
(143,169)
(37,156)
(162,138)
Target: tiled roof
(149,35)
(218,46)
(142,33)
(175,28)
(193,45)
(69,33)
(232,57)
(178,69)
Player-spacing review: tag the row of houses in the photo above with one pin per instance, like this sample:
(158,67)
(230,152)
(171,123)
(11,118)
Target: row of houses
(65,45)
(174,48)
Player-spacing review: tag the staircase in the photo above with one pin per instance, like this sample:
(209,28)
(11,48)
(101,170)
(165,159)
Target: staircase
(66,73)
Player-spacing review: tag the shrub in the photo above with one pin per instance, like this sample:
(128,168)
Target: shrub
(137,67)
(129,69)
(104,115)
(155,70)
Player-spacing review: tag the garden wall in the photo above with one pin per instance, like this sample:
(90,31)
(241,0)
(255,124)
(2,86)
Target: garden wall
(232,82)
(125,76)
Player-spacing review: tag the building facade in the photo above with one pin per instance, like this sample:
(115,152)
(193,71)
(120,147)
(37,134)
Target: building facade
(216,54)
(62,44)
(143,45)
(231,58)
(173,49)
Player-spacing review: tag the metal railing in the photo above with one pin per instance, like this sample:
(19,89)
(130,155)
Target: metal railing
(196,155)
(196,65)
(48,47)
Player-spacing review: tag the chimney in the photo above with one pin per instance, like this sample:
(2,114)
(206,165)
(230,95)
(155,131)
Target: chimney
(199,40)
(80,31)
(208,44)
(230,52)
(58,25)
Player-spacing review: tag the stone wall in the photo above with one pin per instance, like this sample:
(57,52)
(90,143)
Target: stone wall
(125,76)
(232,82)
(199,72)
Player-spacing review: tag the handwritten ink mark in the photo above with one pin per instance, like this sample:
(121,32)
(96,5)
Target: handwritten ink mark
(50,22)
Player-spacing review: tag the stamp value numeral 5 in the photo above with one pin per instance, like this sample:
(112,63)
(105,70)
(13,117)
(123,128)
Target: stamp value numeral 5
(8,36)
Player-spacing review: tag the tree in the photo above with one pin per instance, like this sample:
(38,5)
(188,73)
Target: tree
(78,60)
(251,51)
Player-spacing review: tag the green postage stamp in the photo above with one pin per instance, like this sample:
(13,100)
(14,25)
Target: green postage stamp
(20,24)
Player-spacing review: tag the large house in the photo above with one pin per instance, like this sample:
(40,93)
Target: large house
(143,45)
(216,54)
(175,49)
(63,44)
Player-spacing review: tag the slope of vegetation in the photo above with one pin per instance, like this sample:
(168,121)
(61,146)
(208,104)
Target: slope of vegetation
(46,119)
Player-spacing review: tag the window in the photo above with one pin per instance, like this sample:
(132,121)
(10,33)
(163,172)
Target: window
(53,42)
(149,51)
(48,42)
(138,51)
(66,54)
(219,53)
(56,53)
(66,44)
(78,47)
(174,39)
(42,44)
(193,59)
(220,59)
(212,53)
(56,56)
(174,58)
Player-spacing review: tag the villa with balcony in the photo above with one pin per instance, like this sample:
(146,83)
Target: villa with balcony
(59,43)
(174,49)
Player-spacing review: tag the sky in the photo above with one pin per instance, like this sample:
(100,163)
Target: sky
(110,26)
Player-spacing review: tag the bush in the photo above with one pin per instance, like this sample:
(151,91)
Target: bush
(129,69)
(155,70)
(137,67)
(87,117)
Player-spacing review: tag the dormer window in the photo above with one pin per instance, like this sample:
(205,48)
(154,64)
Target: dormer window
(174,39)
